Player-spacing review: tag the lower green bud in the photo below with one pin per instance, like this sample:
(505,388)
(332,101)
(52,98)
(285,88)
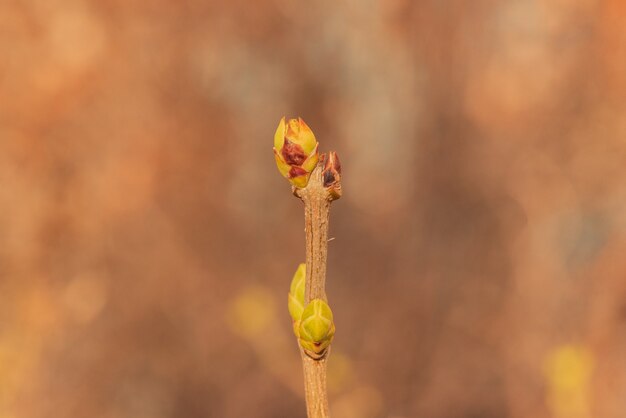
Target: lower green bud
(317,328)
(313,325)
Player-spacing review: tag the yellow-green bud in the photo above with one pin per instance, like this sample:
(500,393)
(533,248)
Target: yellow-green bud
(317,328)
(295,151)
(296,293)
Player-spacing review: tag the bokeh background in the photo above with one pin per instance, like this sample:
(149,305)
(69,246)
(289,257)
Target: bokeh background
(147,240)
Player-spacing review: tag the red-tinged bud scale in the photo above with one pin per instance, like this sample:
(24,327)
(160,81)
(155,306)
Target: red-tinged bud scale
(295,151)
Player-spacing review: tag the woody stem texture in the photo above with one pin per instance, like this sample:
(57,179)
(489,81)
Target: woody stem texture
(317,199)
(316,180)
(316,217)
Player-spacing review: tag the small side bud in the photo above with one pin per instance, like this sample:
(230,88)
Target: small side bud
(331,175)
(317,328)
(295,301)
(295,151)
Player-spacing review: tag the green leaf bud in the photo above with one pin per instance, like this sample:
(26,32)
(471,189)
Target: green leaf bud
(316,327)
(295,301)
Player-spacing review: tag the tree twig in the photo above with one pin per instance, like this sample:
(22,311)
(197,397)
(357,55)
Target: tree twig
(315,390)
(316,200)
(323,187)
(316,180)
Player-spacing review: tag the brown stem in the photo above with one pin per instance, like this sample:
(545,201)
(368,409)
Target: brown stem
(315,391)
(317,197)
(316,215)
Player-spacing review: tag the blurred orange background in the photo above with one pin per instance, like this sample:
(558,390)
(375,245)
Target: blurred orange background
(147,240)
